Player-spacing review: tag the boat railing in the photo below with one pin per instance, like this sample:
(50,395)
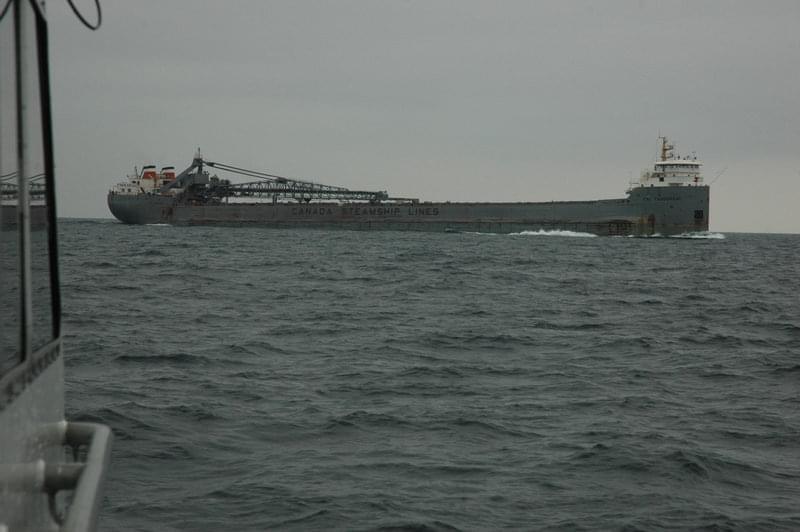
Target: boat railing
(90,448)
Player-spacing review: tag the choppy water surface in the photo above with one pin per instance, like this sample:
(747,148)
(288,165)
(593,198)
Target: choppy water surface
(295,379)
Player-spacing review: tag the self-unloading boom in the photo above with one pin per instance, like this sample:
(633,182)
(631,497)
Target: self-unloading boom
(195,182)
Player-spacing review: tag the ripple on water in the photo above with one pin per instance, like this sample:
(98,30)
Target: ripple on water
(307,380)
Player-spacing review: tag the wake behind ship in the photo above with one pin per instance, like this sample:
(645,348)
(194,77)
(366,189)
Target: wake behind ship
(670,199)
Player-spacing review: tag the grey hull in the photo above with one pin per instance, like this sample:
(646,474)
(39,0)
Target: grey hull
(8,217)
(646,211)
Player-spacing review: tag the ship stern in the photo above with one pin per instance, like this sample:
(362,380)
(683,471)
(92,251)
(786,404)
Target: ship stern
(671,210)
(141,208)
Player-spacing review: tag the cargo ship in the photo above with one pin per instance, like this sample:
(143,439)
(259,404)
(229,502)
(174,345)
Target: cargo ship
(669,199)
(9,199)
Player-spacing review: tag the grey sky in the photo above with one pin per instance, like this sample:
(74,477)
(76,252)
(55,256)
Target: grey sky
(442,100)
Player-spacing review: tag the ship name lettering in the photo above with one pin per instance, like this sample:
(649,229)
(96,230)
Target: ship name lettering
(301,211)
(423,211)
(371,211)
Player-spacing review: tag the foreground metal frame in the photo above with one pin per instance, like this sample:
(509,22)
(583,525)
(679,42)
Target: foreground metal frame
(41,454)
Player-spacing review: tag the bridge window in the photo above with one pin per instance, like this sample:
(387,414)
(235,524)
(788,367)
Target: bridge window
(28,295)
(9,280)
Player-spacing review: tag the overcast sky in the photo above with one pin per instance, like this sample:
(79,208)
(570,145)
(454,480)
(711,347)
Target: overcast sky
(441,100)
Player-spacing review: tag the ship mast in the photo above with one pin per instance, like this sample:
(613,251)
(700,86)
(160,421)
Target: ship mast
(666,149)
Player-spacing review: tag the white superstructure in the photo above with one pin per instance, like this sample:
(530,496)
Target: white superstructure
(672,170)
(148,181)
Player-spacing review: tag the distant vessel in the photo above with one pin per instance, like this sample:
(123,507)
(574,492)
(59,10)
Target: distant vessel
(9,198)
(51,469)
(670,199)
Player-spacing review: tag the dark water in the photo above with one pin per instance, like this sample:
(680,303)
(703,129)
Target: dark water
(307,380)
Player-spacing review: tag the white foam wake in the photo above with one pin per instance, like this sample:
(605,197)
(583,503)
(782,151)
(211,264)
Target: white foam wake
(701,234)
(704,235)
(556,232)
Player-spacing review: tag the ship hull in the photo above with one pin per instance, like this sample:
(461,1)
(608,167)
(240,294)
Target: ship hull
(8,217)
(645,211)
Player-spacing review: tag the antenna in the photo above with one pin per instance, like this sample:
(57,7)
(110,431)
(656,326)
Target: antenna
(665,147)
(718,175)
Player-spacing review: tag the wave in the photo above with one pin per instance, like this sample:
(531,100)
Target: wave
(101,264)
(434,526)
(787,369)
(86,221)
(654,235)
(539,232)
(477,373)
(313,516)
(692,235)
(426,371)
(174,358)
(703,235)
(554,232)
